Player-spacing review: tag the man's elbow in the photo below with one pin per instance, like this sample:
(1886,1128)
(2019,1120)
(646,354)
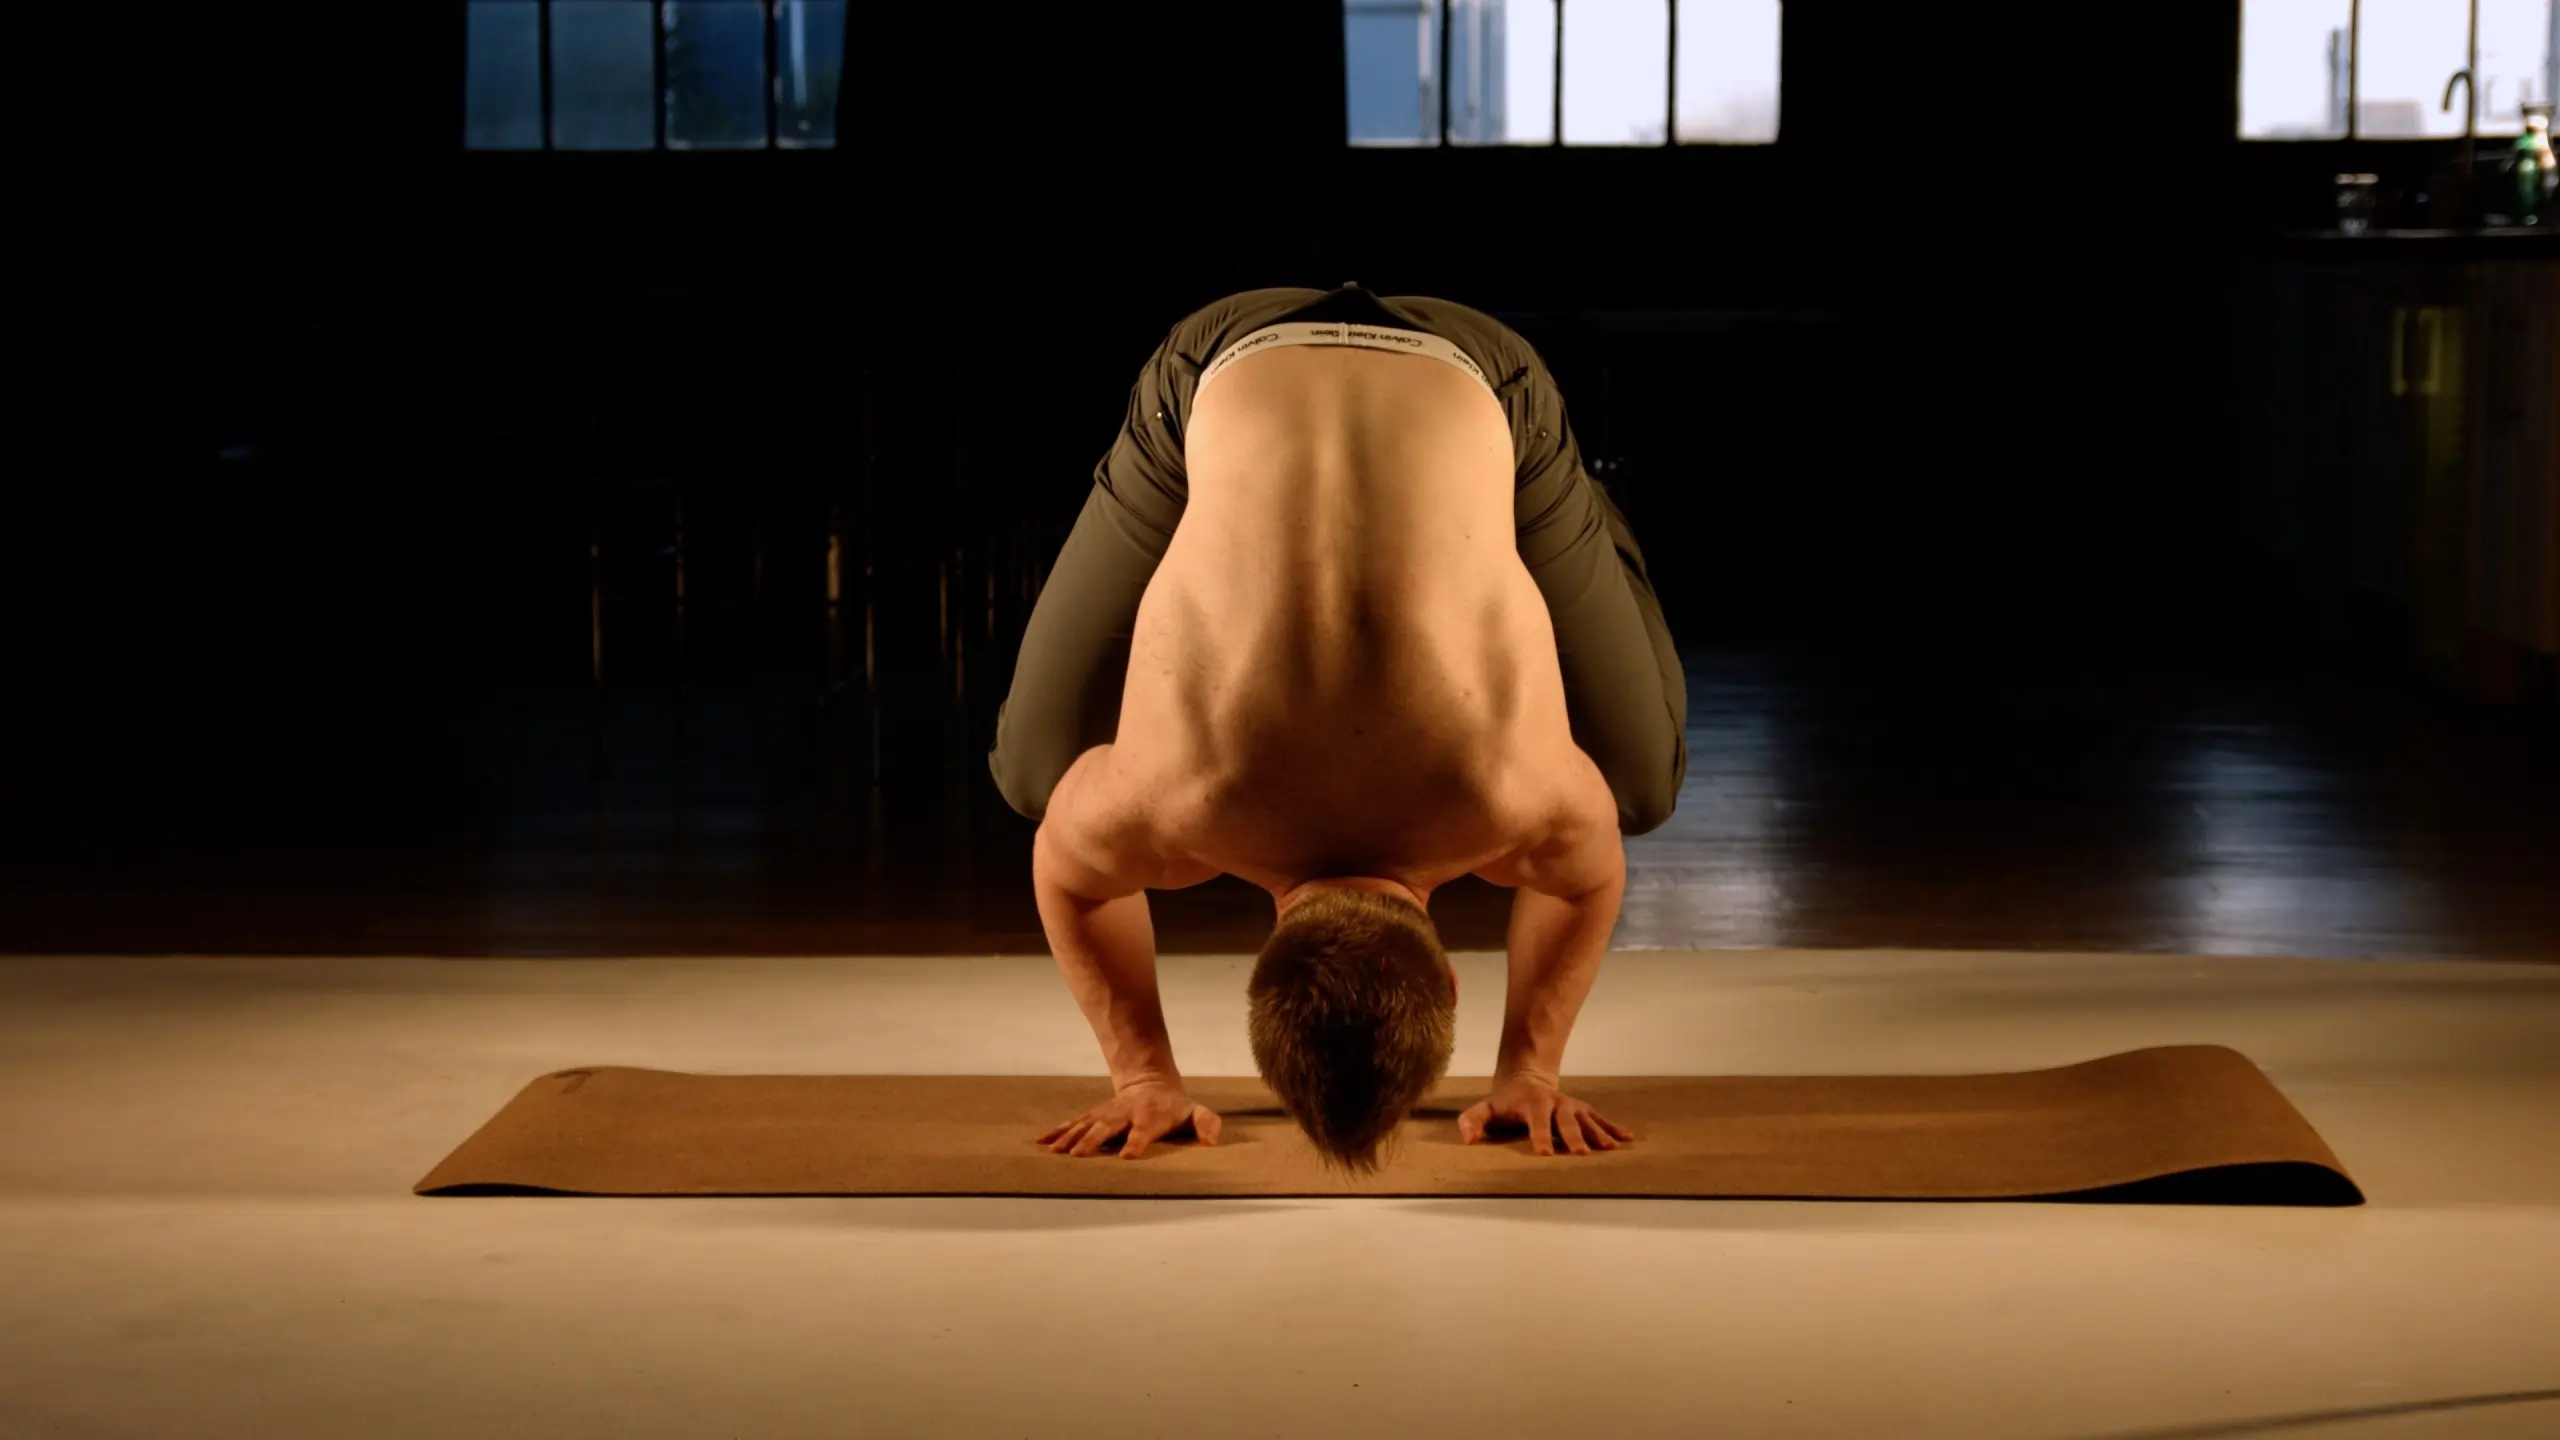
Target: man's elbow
(1058,877)
(1065,869)
(1609,884)
(1593,874)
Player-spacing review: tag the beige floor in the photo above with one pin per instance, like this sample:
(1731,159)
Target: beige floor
(206,1231)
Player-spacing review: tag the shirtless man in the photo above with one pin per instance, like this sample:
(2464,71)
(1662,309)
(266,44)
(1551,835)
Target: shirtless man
(1343,617)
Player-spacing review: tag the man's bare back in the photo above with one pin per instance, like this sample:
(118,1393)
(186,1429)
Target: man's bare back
(1342,667)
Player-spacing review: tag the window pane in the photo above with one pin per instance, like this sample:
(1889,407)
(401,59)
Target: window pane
(1728,71)
(1502,72)
(1617,59)
(2407,49)
(2293,69)
(808,48)
(601,76)
(715,75)
(1390,53)
(2516,61)
(502,86)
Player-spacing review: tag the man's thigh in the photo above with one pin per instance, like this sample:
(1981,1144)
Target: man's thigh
(1074,661)
(1624,689)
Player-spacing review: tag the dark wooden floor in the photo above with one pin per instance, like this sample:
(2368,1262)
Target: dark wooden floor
(1914,791)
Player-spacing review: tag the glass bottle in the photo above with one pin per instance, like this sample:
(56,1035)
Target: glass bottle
(2531,169)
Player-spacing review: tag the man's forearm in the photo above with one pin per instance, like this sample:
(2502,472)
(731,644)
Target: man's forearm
(1107,952)
(1556,948)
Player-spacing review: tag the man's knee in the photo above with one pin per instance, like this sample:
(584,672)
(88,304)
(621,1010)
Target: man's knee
(1645,804)
(1028,795)
(1645,813)
(1025,779)
(1020,797)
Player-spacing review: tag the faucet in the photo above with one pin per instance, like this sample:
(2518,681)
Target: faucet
(2470,112)
(2469,75)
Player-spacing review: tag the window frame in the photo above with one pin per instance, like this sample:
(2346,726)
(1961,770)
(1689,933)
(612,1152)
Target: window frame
(768,10)
(2470,72)
(1440,11)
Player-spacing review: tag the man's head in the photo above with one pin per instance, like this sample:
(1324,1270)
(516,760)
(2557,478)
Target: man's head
(1353,1013)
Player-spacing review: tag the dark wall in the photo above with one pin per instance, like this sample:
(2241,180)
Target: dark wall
(333,389)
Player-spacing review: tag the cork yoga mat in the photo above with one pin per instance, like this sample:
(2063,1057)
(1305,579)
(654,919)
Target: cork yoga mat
(2195,1124)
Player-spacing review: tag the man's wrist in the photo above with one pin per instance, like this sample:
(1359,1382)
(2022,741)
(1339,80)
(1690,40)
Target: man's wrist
(1165,1074)
(1136,1048)
(1526,1068)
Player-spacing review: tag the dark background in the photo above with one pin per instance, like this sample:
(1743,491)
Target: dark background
(331,409)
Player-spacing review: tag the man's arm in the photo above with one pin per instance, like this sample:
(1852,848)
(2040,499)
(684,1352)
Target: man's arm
(1567,886)
(1091,863)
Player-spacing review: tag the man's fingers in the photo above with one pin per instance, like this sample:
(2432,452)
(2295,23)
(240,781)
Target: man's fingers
(1088,1133)
(1550,1120)
(1099,1135)
(1569,1129)
(1143,1133)
(1203,1121)
(1596,1128)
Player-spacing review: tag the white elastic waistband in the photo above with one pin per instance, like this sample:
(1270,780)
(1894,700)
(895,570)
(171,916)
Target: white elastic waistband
(1337,332)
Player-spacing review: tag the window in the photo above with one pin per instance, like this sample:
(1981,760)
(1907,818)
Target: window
(2381,69)
(502,104)
(1725,71)
(1575,72)
(652,74)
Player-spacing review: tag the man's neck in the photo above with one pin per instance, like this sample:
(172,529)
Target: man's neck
(1291,895)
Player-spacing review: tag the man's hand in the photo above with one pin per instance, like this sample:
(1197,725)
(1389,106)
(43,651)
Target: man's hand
(1525,1100)
(1149,1110)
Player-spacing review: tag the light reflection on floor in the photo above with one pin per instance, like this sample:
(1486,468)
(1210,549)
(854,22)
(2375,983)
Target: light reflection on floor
(2268,854)
(1902,795)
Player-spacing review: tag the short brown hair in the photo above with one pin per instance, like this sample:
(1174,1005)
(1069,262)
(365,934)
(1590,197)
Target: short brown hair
(1352,1016)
